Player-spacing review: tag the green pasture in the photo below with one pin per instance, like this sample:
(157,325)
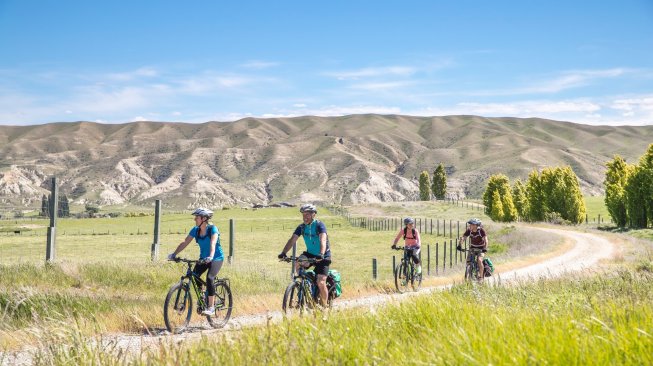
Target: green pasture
(595,206)
(103,269)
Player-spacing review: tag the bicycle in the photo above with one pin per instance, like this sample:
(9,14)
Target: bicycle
(178,306)
(471,268)
(405,273)
(302,293)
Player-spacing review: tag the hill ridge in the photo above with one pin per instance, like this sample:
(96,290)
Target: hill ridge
(347,159)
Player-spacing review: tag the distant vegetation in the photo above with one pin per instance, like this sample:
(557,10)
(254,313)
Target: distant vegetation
(629,191)
(553,195)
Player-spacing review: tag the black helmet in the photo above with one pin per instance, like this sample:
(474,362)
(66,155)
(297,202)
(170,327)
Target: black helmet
(474,221)
(409,220)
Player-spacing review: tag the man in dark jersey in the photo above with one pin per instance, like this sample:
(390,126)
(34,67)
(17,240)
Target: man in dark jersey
(477,243)
(317,246)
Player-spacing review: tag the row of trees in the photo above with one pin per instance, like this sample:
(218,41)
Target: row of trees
(629,191)
(552,195)
(437,187)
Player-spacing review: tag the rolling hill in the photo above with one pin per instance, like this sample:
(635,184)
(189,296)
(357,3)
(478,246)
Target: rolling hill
(349,159)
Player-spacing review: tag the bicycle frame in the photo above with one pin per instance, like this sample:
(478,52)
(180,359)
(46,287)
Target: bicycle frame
(197,284)
(472,264)
(307,293)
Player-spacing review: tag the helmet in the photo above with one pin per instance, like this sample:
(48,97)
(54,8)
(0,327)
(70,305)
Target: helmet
(307,207)
(409,220)
(474,221)
(203,212)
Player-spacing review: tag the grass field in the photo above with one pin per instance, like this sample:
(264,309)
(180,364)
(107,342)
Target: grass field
(108,275)
(595,206)
(571,321)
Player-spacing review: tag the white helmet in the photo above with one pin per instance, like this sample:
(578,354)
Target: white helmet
(203,212)
(307,207)
(474,221)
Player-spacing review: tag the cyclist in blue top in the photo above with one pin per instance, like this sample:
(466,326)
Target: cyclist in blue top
(317,246)
(207,237)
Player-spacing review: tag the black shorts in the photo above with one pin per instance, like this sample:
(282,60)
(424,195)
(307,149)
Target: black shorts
(322,267)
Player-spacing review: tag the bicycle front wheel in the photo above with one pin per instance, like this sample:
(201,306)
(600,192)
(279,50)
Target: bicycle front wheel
(223,305)
(401,278)
(178,308)
(293,298)
(468,273)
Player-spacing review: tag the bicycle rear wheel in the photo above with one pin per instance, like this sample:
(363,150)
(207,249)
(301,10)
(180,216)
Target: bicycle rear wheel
(415,279)
(401,277)
(178,308)
(293,298)
(223,305)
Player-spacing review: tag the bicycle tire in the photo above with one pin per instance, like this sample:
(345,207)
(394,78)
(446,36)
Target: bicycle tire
(293,298)
(178,301)
(415,279)
(468,273)
(223,305)
(401,280)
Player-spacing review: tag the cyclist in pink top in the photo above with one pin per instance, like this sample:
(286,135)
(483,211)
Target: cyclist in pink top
(412,241)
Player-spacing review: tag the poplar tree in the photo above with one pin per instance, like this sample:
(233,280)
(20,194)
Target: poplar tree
(520,199)
(499,183)
(535,197)
(424,186)
(615,181)
(496,213)
(439,185)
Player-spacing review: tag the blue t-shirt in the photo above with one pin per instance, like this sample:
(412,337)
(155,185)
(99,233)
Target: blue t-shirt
(311,234)
(205,242)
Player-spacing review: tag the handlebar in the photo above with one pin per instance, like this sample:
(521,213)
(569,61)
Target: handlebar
(399,248)
(307,260)
(185,260)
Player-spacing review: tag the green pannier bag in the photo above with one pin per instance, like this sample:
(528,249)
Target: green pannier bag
(335,276)
(488,267)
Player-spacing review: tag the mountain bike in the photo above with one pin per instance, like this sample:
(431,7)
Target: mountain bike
(471,268)
(178,306)
(405,273)
(302,293)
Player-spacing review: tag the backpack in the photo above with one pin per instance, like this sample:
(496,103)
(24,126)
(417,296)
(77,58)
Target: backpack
(413,231)
(335,277)
(488,267)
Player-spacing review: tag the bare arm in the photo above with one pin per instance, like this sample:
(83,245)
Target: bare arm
(214,241)
(292,241)
(183,245)
(398,237)
(323,239)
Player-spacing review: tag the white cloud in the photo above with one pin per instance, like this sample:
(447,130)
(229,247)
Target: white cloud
(259,65)
(143,72)
(381,86)
(139,119)
(372,72)
(299,105)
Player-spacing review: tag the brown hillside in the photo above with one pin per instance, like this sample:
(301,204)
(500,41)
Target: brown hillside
(357,158)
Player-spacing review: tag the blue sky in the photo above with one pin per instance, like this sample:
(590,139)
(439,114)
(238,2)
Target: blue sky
(196,61)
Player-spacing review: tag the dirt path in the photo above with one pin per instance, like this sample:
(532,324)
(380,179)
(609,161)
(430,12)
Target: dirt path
(587,250)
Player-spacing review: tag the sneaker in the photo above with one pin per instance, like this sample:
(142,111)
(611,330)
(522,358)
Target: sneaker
(210,311)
